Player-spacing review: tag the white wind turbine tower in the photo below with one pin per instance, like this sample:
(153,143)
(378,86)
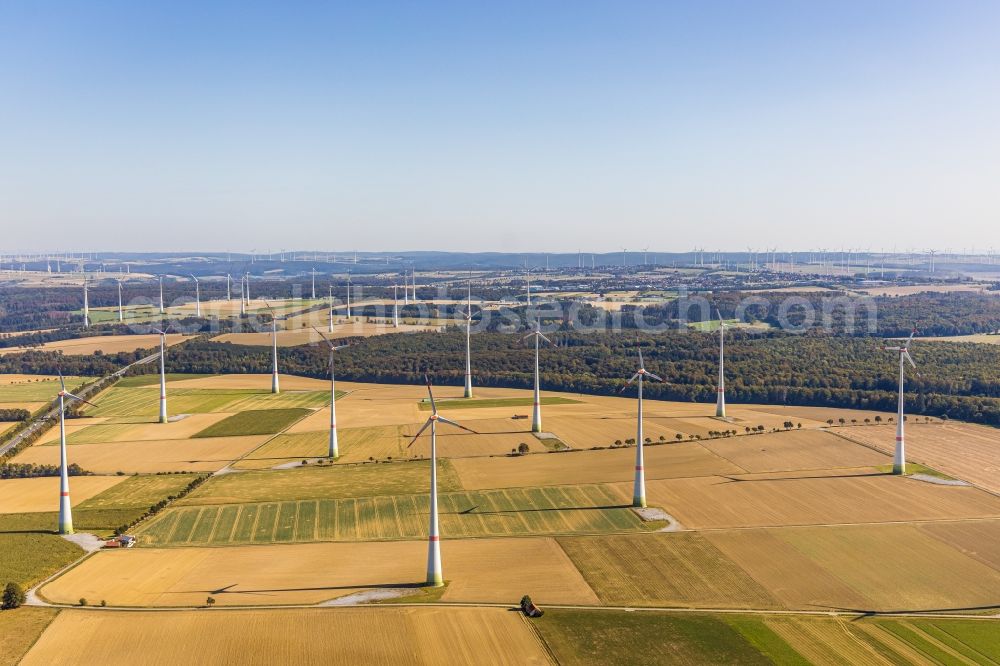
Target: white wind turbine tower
(536,414)
(720,401)
(899,459)
(406,288)
(248,288)
(413,281)
(197,296)
(395,307)
(229,287)
(86,304)
(65,509)
(334,449)
(313,284)
(527,286)
(163,375)
(121,315)
(331,308)
(161,295)
(348,295)
(468,345)
(435,577)
(639,487)
(243,301)
(274,350)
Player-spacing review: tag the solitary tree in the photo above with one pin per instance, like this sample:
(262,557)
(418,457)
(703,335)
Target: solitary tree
(210,602)
(13,596)
(522,448)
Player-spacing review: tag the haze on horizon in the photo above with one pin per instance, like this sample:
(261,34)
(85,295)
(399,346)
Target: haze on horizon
(520,127)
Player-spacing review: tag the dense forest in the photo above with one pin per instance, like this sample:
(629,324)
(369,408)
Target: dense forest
(955,380)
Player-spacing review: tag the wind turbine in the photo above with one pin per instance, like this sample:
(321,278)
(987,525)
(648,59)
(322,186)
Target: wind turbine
(348,295)
(243,301)
(121,315)
(334,450)
(86,304)
(197,296)
(527,287)
(274,348)
(229,287)
(406,288)
(720,401)
(536,414)
(899,459)
(468,345)
(163,375)
(314,283)
(248,288)
(65,510)
(435,577)
(639,487)
(331,308)
(395,308)
(161,294)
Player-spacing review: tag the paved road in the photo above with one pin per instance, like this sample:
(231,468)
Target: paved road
(46,420)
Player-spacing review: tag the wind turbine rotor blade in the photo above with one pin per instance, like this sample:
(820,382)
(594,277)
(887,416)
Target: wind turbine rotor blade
(62,382)
(427,423)
(542,336)
(906,355)
(656,377)
(642,366)
(76,397)
(449,422)
(629,382)
(330,344)
(434,409)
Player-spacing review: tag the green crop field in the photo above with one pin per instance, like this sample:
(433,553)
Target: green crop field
(139,491)
(30,558)
(98,433)
(136,381)
(315,482)
(511,512)
(43,390)
(585,637)
(285,400)
(254,422)
(20,629)
(495,402)
(118,401)
(98,521)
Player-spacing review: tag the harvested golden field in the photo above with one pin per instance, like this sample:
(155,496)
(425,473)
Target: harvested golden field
(963,450)
(42,493)
(30,406)
(820,415)
(675,569)
(794,450)
(304,335)
(106,344)
(493,437)
(979,539)
(478,570)
(250,381)
(909,290)
(19,629)
(899,567)
(981,338)
(787,574)
(662,462)
(584,432)
(836,641)
(813,498)
(172,455)
(348,636)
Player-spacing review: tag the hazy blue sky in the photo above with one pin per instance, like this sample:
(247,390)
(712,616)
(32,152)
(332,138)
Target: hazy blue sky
(519,126)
